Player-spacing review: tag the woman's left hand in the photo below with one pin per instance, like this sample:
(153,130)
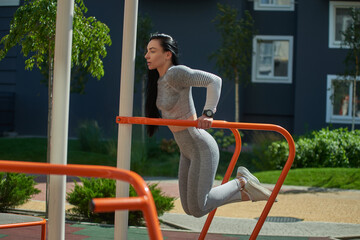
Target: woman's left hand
(204,122)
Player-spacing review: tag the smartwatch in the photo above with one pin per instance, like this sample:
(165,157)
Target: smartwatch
(208,113)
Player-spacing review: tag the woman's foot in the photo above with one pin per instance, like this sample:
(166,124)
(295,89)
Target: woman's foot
(251,188)
(256,192)
(243,172)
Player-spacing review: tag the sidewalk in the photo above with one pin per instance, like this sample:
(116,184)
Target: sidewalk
(242,226)
(301,213)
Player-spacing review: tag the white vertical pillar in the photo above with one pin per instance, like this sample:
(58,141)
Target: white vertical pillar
(60,116)
(126,108)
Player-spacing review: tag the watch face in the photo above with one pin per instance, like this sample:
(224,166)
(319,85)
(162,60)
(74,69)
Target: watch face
(208,113)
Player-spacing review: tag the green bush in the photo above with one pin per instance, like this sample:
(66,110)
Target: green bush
(91,188)
(324,148)
(89,134)
(169,146)
(262,159)
(111,147)
(257,158)
(223,140)
(151,160)
(15,189)
(163,204)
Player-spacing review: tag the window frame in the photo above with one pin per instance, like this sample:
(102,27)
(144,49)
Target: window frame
(332,21)
(272,79)
(330,117)
(8,3)
(273,7)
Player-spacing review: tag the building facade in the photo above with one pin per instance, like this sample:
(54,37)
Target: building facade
(297,58)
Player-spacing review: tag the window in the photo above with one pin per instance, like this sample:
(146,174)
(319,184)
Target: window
(339,105)
(339,21)
(274,5)
(272,59)
(4,3)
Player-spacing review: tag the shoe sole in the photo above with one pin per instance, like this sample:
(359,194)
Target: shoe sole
(245,173)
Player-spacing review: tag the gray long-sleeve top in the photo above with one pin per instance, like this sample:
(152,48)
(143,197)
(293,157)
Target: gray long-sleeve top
(174,98)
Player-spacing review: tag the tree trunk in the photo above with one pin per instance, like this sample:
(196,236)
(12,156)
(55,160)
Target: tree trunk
(236,96)
(354,106)
(50,104)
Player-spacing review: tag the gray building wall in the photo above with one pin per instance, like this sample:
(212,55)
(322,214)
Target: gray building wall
(271,102)
(313,62)
(187,21)
(8,73)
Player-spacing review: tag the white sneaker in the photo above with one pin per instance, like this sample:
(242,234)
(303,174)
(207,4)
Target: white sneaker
(243,172)
(256,192)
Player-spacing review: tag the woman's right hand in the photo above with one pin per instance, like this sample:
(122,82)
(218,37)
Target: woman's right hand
(204,122)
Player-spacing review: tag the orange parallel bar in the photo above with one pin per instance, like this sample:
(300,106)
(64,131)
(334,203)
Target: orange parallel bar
(133,178)
(108,204)
(28,224)
(25,224)
(231,125)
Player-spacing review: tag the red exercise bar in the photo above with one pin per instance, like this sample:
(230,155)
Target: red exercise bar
(143,202)
(233,126)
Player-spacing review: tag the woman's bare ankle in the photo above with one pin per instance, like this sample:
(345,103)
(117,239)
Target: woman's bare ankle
(244,196)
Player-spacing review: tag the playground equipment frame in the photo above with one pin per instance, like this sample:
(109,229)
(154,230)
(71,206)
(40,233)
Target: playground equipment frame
(41,222)
(233,126)
(144,201)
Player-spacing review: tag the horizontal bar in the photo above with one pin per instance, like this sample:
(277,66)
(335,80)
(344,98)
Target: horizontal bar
(77,170)
(231,125)
(109,204)
(190,123)
(23,224)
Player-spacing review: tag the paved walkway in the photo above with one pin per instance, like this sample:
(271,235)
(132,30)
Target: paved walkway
(311,213)
(96,232)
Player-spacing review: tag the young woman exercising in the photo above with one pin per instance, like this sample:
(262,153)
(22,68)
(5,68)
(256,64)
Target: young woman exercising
(169,90)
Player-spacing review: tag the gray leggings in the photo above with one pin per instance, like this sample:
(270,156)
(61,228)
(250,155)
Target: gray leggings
(199,159)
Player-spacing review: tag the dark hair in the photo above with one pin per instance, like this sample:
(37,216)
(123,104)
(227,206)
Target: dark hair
(151,111)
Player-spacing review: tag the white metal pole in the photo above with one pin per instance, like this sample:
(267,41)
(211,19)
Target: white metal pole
(60,116)
(126,109)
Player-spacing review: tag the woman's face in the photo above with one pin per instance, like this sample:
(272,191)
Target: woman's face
(155,56)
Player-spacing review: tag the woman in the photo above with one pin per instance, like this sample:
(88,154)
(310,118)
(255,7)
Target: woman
(169,90)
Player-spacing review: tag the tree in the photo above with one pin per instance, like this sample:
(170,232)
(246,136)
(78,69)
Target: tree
(144,28)
(233,58)
(33,28)
(352,60)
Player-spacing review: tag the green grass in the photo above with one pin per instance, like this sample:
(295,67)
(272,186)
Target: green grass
(23,149)
(34,150)
(158,164)
(344,178)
